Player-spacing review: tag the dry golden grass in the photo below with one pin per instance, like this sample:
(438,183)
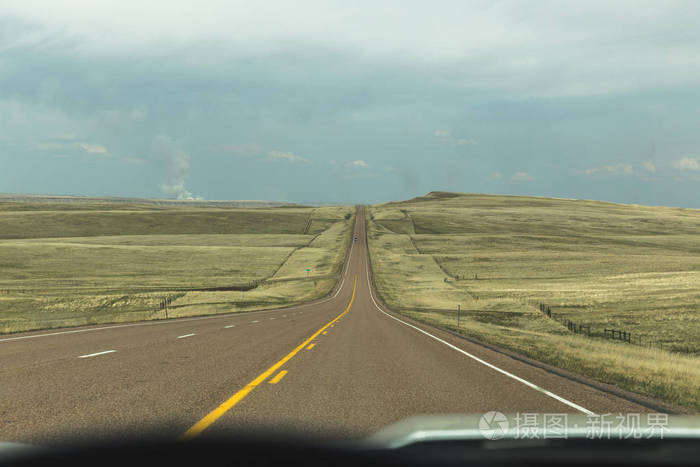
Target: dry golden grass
(667,376)
(635,268)
(125,264)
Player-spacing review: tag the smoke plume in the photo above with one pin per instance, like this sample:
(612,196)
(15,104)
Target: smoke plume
(177,167)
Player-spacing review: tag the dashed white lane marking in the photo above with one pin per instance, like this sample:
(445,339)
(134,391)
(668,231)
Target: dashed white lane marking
(186,335)
(256,321)
(130,325)
(230,326)
(96,354)
(474,357)
(271,319)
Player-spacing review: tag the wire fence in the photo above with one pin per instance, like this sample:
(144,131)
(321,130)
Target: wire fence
(608,333)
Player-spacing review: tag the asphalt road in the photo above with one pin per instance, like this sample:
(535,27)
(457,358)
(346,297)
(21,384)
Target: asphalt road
(338,367)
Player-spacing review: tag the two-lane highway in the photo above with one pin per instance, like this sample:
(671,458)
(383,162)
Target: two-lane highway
(340,366)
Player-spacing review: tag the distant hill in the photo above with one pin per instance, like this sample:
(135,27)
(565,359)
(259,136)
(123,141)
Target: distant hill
(59,199)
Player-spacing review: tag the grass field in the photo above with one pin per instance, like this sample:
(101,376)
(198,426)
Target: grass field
(96,264)
(631,268)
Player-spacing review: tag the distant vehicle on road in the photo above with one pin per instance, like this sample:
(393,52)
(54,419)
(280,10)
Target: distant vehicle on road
(355,239)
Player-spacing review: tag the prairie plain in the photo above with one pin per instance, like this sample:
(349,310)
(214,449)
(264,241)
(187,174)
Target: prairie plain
(598,265)
(89,263)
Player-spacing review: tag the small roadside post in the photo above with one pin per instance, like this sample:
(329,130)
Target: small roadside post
(307,272)
(459,307)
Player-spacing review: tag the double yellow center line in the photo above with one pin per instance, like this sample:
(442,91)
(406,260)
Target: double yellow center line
(215,414)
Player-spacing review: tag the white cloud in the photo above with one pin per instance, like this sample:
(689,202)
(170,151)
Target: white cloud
(687,163)
(444,136)
(498,45)
(134,160)
(178,191)
(94,149)
(137,114)
(521,177)
(619,169)
(358,163)
(240,149)
(258,151)
(287,156)
(496,176)
(649,166)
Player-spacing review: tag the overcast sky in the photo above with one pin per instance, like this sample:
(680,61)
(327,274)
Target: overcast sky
(351,101)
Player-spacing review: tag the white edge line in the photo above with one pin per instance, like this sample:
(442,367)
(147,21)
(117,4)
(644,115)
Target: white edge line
(186,335)
(352,245)
(96,354)
(198,318)
(342,282)
(483,362)
(337,291)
